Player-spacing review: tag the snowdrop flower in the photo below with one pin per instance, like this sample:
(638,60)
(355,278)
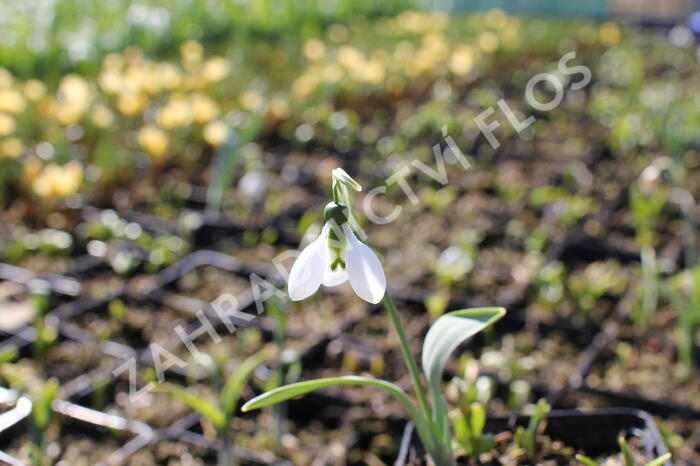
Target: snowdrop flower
(335,257)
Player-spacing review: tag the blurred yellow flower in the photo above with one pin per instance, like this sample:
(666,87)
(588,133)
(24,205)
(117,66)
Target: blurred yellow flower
(47,106)
(11,148)
(314,50)
(304,85)
(74,99)
(136,79)
(191,52)
(31,169)
(488,41)
(7,124)
(131,103)
(43,184)
(57,181)
(11,101)
(110,81)
(279,109)
(177,113)
(194,81)
(169,75)
(423,62)
(113,60)
(70,179)
(204,107)
(373,72)
(34,90)
(497,18)
(215,69)
(215,133)
(68,114)
(610,34)
(462,60)
(151,84)
(403,52)
(153,140)
(509,37)
(252,100)
(5,78)
(133,55)
(419,22)
(331,73)
(350,57)
(102,116)
(74,89)
(412,21)
(436,45)
(438,20)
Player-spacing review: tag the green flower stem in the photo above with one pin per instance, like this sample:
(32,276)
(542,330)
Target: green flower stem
(407,355)
(226,456)
(336,192)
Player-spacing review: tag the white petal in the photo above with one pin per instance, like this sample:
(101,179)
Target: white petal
(333,278)
(364,269)
(307,272)
(339,275)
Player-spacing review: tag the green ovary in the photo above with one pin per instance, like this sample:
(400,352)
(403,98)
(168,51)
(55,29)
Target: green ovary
(337,245)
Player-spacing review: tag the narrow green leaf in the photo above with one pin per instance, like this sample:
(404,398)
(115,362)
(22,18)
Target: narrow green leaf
(302,388)
(294,390)
(8,354)
(449,331)
(695,293)
(279,311)
(624,447)
(462,432)
(477,416)
(203,407)
(238,380)
(659,461)
(586,460)
(537,418)
(228,157)
(41,410)
(443,337)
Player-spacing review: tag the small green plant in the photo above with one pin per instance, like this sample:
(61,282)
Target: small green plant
(587,286)
(229,157)
(684,292)
(526,438)
(550,283)
(338,256)
(627,457)
(287,366)
(45,335)
(646,204)
(229,391)
(41,416)
(117,309)
(647,201)
(571,207)
(8,354)
(468,429)
(649,294)
(469,419)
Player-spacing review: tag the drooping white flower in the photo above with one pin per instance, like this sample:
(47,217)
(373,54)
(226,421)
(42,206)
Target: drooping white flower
(335,257)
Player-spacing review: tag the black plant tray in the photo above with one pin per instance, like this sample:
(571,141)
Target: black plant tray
(132,435)
(595,432)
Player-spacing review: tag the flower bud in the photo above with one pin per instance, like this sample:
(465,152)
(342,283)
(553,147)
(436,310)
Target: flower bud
(338,213)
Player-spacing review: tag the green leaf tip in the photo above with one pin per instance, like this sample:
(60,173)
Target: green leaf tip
(449,331)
